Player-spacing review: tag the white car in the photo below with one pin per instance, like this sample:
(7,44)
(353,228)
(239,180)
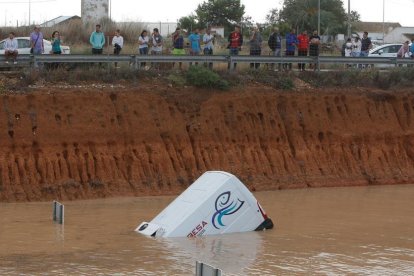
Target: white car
(24,46)
(386,50)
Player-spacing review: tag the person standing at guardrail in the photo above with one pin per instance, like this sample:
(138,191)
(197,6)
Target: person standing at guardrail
(195,47)
(10,48)
(412,48)
(275,44)
(366,45)
(291,42)
(404,51)
(143,42)
(303,46)
(255,46)
(157,42)
(37,45)
(97,40)
(56,50)
(235,40)
(118,44)
(356,47)
(315,41)
(208,40)
(178,44)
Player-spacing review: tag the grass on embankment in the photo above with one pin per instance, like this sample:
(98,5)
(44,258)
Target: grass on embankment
(199,76)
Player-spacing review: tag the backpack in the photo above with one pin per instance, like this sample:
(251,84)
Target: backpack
(272,41)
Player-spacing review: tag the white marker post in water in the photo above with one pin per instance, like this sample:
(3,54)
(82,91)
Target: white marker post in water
(217,203)
(58,212)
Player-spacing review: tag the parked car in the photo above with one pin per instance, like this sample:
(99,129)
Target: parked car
(386,51)
(24,46)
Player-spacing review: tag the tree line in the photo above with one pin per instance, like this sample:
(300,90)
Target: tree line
(297,14)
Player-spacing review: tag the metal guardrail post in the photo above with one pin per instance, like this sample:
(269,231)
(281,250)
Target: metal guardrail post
(32,61)
(318,64)
(231,63)
(206,270)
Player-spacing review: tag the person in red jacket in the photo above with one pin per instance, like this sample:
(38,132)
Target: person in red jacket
(303,47)
(235,42)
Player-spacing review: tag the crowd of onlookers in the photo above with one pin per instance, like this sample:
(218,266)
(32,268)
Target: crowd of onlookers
(198,43)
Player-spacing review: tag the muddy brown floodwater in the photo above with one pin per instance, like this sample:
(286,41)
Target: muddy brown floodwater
(326,231)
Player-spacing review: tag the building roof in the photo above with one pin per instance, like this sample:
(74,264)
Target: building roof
(375,27)
(58,20)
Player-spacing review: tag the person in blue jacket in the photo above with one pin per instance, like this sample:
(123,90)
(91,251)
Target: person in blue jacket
(291,43)
(97,40)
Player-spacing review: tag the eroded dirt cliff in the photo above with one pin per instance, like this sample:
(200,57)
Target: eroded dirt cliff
(72,144)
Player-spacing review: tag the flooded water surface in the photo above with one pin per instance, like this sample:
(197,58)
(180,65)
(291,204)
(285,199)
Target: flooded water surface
(337,231)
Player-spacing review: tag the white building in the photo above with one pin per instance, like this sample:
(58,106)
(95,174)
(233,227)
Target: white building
(94,10)
(400,35)
(165,28)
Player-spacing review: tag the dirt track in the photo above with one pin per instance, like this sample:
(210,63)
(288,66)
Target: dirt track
(79,144)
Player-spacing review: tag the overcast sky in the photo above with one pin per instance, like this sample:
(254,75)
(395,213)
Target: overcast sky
(12,11)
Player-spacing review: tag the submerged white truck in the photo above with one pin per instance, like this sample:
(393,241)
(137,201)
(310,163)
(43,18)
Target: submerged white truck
(216,203)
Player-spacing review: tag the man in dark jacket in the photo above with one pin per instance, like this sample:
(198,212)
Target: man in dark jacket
(275,44)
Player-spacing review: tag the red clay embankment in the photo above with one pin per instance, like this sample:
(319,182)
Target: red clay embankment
(76,144)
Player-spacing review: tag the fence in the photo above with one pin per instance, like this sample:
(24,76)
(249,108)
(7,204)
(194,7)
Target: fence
(136,61)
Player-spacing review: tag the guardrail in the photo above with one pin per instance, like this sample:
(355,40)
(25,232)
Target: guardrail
(136,60)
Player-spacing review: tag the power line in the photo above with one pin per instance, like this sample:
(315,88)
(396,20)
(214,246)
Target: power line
(26,2)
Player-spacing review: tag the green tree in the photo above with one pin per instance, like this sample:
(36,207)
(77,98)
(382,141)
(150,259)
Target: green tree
(303,14)
(272,18)
(189,22)
(355,16)
(220,13)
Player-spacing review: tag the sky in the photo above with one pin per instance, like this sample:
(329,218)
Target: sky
(13,11)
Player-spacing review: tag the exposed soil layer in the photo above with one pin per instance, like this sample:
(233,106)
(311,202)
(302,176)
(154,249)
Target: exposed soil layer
(90,143)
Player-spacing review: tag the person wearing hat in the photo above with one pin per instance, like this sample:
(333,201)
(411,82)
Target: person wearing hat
(97,40)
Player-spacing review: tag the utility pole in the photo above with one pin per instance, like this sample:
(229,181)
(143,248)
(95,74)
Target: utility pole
(110,10)
(383,21)
(349,18)
(319,17)
(30,11)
